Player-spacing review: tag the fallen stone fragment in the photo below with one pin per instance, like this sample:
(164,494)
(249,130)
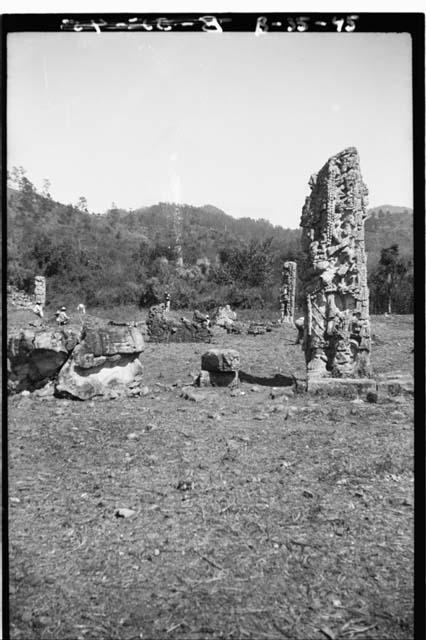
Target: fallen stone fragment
(45,392)
(161,328)
(35,357)
(372,396)
(224,317)
(256,329)
(188,393)
(280,392)
(105,363)
(124,513)
(132,436)
(217,379)
(219,360)
(278,408)
(219,368)
(214,416)
(185,485)
(395,384)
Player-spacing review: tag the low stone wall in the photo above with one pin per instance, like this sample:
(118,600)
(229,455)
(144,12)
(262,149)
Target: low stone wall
(19,299)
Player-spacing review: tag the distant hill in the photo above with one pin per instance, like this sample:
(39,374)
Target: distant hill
(114,256)
(387,225)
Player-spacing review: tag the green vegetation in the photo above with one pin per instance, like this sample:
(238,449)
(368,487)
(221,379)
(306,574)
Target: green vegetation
(128,257)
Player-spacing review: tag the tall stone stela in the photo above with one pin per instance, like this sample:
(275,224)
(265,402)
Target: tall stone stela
(40,290)
(337,325)
(289,289)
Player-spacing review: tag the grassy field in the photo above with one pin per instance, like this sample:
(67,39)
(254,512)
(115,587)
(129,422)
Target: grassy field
(254,516)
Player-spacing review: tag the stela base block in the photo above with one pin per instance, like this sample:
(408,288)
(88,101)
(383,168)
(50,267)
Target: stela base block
(348,387)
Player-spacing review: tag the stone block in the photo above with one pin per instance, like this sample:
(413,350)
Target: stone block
(348,387)
(220,360)
(394,386)
(217,378)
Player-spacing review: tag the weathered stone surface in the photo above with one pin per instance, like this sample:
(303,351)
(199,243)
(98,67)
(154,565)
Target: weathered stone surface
(40,290)
(161,328)
(395,384)
(34,357)
(105,362)
(112,378)
(256,329)
(235,327)
(189,393)
(220,360)
(224,316)
(111,339)
(217,379)
(19,299)
(288,292)
(337,335)
(348,387)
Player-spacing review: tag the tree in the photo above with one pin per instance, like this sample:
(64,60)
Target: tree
(391,282)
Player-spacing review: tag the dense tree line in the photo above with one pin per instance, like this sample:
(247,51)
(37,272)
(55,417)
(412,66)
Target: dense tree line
(128,257)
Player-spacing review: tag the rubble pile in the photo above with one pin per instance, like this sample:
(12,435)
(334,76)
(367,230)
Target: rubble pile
(161,328)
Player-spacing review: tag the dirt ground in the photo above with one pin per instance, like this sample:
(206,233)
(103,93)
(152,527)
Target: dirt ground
(253,516)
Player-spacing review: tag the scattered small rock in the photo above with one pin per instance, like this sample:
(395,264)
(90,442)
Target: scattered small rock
(255,388)
(188,393)
(372,396)
(185,485)
(237,392)
(278,408)
(307,494)
(25,393)
(150,427)
(358,401)
(132,436)
(124,513)
(261,416)
(280,392)
(144,391)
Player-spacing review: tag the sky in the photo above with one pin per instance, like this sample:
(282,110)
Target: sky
(234,120)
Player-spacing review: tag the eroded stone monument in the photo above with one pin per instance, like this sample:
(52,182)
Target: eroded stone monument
(337,326)
(288,291)
(40,290)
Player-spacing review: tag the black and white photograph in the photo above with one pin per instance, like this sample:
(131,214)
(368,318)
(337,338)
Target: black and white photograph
(209,326)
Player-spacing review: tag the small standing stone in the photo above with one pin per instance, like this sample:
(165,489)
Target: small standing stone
(219,368)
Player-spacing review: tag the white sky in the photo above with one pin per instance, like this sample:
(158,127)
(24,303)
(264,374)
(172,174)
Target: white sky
(233,120)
